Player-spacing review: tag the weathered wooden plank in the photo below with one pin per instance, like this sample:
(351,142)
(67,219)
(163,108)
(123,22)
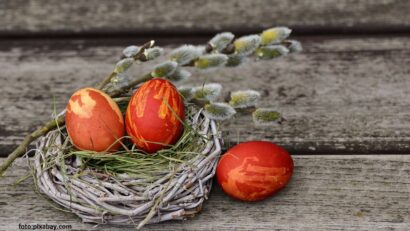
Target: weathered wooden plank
(326,193)
(44,17)
(341,95)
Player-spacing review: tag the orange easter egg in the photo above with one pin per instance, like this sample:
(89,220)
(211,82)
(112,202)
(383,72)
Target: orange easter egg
(94,121)
(255,170)
(154,115)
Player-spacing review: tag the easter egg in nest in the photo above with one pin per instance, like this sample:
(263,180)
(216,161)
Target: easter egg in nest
(254,170)
(93,120)
(154,115)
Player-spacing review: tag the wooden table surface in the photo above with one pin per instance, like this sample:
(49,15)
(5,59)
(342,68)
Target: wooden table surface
(346,100)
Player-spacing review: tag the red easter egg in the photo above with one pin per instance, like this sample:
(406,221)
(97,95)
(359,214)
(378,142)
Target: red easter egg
(254,170)
(154,115)
(94,121)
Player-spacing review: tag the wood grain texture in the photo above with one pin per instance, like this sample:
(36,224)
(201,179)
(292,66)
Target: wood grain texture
(45,17)
(325,193)
(341,95)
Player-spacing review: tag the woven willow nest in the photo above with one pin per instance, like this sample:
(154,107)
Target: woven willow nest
(99,197)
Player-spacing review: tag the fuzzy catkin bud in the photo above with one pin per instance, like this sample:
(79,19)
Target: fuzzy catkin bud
(211,61)
(235,60)
(201,49)
(246,45)
(221,40)
(271,51)
(123,65)
(120,80)
(179,76)
(294,46)
(207,92)
(153,53)
(219,111)
(185,54)
(186,92)
(244,99)
(265,116)
(274,35)
(130,51)
(164,69)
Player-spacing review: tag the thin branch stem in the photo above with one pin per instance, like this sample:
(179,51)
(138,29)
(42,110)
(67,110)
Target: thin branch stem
(21,149)
(134,83)
(105,81)
(140,56)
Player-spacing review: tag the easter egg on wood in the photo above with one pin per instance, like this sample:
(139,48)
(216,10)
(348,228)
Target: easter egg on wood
(93,120)
(154,115)
(254,170)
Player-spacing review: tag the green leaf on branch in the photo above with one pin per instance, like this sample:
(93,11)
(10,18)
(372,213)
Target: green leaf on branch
(266,117)
(274,35)
(271,51)
(219,111)
(130,51)
(208,92)
(244,99)
(185,54)
(164,69)
(179,75)
(246,45)
(123,65)
(211,61)
(221,40)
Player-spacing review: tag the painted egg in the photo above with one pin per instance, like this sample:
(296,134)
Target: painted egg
(94,121)
(154,115)
(254,170)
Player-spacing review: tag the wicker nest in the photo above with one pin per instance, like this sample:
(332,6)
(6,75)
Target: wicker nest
(103,198)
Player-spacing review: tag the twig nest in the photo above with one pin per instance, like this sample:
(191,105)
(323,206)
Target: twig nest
(129,187)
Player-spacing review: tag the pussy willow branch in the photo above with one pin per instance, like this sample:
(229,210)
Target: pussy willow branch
(59,121)
(139,56)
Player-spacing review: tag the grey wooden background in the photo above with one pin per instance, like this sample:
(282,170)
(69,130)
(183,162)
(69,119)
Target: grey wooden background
(22,17)
(346,99)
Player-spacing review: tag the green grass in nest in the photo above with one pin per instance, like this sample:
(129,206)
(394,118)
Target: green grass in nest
(138,164)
